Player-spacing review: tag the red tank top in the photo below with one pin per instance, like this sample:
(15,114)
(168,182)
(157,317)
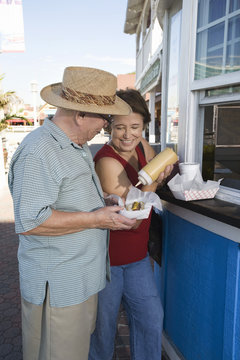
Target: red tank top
(127,246)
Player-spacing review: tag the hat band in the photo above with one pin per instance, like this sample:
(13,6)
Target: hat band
(87,99)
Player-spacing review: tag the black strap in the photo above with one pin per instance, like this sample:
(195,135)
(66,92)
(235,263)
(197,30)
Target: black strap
(155,231)
(141,148)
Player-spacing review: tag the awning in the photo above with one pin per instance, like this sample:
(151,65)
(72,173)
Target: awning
(134,11)
(133,14)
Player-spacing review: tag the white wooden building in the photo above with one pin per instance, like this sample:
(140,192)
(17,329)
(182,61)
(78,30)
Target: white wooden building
(188,60)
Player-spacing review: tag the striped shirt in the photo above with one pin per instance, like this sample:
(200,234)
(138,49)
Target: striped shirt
(48,171)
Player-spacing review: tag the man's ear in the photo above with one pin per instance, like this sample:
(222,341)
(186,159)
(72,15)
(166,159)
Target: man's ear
(79,116)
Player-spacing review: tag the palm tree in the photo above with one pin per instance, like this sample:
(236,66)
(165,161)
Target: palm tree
(10,104)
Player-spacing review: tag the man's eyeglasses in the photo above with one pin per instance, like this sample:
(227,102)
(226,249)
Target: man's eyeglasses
(106,117)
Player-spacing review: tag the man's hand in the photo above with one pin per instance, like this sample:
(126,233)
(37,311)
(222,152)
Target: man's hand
(108,218)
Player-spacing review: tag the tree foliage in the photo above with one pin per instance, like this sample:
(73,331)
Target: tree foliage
(10,106)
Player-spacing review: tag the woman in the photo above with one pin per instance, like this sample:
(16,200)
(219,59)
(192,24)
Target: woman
(117,165)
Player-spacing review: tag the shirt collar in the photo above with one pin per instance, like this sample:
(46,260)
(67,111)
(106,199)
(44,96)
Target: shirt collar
(59,134)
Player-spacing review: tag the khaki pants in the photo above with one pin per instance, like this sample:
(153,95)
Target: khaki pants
(51,333)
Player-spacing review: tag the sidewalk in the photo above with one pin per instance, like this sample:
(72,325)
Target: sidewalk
(10,318)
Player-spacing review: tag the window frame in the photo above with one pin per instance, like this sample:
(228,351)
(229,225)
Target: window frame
(192,105)
(224,19)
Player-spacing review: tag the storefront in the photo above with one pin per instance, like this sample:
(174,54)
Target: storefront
(200,118)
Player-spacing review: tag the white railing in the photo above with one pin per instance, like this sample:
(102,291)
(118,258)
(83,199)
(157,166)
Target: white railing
(139,65)
(144,54)
(150,46)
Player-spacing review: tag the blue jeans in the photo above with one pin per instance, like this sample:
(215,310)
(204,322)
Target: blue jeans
(134,285)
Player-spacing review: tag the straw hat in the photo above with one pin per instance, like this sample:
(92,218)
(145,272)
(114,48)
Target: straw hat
(87,90)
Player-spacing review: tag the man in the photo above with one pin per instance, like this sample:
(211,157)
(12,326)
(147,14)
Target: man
(61,217)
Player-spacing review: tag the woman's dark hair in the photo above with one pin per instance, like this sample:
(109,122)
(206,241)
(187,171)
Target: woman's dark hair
(137,103)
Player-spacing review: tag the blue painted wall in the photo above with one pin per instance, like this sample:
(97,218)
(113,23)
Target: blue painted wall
(199,285)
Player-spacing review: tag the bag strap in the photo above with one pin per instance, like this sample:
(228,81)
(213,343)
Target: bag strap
(141,148)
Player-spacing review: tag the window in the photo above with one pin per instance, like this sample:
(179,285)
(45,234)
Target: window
(223,91)
(218,38)
(221,148)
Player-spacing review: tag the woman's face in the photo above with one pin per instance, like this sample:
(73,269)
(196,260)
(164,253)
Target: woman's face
(127,131)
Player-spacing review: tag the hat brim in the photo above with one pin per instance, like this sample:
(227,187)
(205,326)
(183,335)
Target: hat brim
(52,95)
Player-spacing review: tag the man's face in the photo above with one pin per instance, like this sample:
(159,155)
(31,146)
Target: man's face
(92,125)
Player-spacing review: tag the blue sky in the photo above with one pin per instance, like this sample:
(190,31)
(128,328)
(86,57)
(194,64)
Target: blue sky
(65,33)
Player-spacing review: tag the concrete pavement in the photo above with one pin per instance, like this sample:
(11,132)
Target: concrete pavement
(10,318)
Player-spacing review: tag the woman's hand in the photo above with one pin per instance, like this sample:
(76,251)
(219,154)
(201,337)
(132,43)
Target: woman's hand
(112,200)
(160,180)
(163,175)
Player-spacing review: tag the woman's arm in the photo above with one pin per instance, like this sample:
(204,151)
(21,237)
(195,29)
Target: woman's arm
(113,177)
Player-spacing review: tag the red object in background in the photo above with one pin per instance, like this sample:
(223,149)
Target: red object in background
(19,122)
